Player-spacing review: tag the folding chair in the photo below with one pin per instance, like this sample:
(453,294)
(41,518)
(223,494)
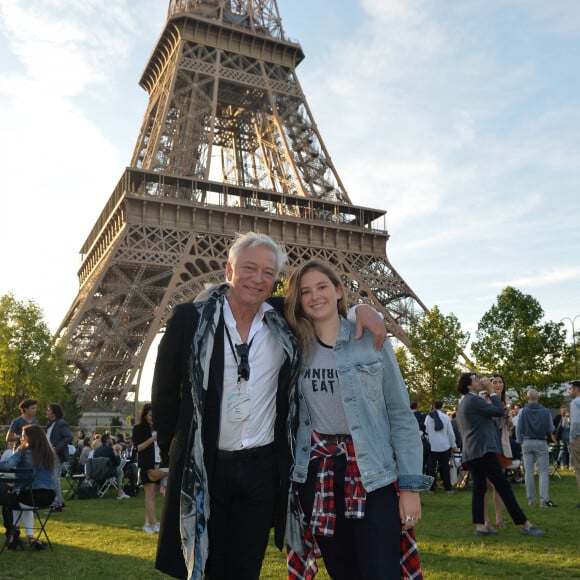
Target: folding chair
(553,468)
(41,519)
(99,471)
(462,473)
(514,471)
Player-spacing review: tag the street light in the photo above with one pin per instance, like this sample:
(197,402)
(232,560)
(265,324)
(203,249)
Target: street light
(572,322)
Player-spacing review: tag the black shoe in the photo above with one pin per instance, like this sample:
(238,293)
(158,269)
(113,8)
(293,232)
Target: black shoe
(14,541)
(37,545)
(549,503)
(58,508)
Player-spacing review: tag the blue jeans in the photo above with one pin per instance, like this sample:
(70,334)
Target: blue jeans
(536,451)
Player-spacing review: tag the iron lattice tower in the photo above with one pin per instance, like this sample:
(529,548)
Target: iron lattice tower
(228,144)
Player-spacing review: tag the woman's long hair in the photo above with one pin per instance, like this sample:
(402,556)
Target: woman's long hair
(502,396)
(144,412)
(38,446)
(297,319)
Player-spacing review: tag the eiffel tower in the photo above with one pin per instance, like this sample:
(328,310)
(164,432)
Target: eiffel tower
(228,144)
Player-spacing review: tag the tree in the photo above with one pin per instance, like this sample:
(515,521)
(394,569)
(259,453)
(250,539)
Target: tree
(430,367)
(512,340)
(31,365)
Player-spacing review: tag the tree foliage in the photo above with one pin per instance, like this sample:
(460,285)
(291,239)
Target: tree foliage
(512,340)
(30,364)
(430,367)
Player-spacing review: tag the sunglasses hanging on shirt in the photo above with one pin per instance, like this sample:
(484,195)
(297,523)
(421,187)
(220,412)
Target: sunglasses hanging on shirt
(243,351)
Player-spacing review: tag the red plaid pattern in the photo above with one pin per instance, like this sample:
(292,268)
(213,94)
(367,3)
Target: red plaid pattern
(323,520)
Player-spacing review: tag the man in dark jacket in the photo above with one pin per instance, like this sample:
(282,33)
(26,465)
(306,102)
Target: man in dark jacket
(481,444)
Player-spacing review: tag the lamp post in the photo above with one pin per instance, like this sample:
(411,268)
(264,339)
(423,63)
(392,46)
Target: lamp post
(572,323)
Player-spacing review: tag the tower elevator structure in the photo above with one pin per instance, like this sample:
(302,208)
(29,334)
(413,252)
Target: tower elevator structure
(228,144)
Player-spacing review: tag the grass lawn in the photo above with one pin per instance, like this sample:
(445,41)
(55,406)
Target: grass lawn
(102,539)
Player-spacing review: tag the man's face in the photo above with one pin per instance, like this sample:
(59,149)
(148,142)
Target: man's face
(573,391)
(49,414)
(31,411)
(476,384)
(251,276)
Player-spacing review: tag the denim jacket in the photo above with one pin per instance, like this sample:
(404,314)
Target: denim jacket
(386,435)
(42,478)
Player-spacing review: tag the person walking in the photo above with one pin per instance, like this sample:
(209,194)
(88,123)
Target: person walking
(357,442)
(481,445)
(534,425)
(225,411)
(441,444)
(574,392)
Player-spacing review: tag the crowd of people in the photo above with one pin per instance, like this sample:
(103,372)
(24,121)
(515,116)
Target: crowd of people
(54,453)
(291,413)
(522,436)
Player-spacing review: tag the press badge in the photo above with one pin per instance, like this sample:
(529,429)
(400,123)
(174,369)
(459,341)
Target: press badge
(238,407)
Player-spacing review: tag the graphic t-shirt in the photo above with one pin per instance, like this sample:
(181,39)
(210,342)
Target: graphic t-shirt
(321,390)
(18,424)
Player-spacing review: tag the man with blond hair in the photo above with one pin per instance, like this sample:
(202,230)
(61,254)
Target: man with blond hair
(534,425)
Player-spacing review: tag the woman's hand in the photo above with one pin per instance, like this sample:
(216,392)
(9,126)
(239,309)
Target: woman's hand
(409,509)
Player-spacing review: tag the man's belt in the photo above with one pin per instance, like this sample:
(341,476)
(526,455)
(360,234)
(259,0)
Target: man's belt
(249,453)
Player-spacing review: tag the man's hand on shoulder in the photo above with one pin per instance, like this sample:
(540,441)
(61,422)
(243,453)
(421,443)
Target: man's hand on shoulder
(367,317)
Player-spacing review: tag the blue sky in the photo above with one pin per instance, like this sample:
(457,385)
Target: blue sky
(461,119)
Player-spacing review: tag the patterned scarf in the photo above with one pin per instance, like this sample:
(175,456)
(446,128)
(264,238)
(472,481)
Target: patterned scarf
(323,520)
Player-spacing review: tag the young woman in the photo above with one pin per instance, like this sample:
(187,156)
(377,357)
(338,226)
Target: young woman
(36,453)
(145,440)
(354,420)
(503,425)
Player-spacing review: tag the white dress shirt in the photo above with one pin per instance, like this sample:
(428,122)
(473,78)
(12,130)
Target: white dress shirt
(440,440)
(265,358)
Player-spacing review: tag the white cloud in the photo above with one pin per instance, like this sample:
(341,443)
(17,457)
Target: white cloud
(549,277)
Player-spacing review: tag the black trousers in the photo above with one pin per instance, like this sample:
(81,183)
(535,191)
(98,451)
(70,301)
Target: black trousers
(242,502)
(488,467)
(440,459)
(361,549)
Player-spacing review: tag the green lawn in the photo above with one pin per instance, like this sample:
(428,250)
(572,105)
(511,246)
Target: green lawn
(98,539)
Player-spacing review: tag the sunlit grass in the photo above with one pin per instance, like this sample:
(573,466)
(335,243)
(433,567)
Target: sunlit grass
(98,539)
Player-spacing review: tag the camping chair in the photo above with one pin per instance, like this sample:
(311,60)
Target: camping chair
(462,473)
(102,473)
(553,468)
(514,471)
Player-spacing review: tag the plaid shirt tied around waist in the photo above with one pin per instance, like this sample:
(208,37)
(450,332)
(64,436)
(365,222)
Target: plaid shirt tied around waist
(323,520)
